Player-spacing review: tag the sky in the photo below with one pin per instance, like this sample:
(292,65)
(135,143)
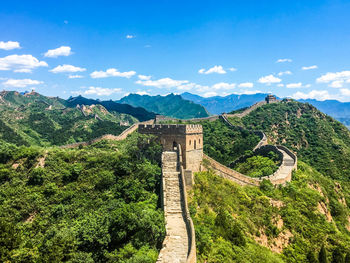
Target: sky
(108,49)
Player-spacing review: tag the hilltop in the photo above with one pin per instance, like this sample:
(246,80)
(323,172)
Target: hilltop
(319,140)
(171,105)
(138,112)
(34,119)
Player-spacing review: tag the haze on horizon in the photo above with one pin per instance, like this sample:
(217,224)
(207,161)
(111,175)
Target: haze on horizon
(105,50)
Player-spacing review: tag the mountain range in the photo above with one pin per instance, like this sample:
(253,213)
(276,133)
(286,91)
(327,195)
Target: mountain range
(217,105)
(171,105)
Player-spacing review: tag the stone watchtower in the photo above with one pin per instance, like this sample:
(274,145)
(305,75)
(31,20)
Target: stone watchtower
(189,136)
(270,99)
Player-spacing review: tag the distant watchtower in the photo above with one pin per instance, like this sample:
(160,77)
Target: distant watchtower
(189,136)
(270,99)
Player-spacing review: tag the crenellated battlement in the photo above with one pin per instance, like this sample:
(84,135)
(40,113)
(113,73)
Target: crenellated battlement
(174,129)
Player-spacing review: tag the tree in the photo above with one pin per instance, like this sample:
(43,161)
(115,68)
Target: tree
(322,255)
(337,256)
(347,258)
(311,257)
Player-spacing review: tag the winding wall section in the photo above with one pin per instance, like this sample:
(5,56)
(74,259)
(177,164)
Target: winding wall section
(119,137)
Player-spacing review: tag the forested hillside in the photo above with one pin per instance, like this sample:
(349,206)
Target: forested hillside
(33,119)
(137,112)
(319,140)
(93,204)
(269,224)
(171,105)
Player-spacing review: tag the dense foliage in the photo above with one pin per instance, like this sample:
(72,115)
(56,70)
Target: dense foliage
(225,144)
(268,224)
(258,165)
(171,105)
(94,204)
(33,119)
(319,140)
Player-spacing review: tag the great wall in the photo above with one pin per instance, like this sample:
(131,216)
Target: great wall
(182,155)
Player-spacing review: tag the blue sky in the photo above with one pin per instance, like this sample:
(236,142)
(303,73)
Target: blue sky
(106,49)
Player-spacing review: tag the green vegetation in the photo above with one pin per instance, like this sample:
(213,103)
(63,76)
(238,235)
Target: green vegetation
(225,144)
(94,204)
(171,105)
(259,165)
(318,139)
(250,224)
(33,119)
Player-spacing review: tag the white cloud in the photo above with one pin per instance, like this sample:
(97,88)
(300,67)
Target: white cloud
(310,67)
(314,94)
(21,63)
(67,68)
(294,85)
(280,85)
(9,45)
(281,60)
(210,94)
(130,36)
(297,85)
(142,93)
(97,91)
(215,69)
(336,84)
(268,80)
(61,51)
(162,83)
(232,69)
(284,73)
(223,85)
(144,77)
(336,79)
(248,92)
(75,76)
(112,72)
(345,92)
(246,85)
(21,83)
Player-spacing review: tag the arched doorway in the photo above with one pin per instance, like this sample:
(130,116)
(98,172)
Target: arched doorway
(195,144)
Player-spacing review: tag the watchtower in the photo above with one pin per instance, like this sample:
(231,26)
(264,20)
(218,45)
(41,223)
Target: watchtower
(189,136)
(270,99)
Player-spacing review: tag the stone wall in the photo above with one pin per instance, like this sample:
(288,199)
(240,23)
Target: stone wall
(119,137)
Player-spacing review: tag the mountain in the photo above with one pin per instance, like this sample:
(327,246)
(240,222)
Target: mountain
(336,109)
(319,140)
(218,105)
(139,113)
(34,119)
(171,105)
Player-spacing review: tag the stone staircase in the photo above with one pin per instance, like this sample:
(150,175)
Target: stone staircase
(176,244)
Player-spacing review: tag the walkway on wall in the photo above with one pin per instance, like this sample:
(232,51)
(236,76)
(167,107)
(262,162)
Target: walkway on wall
(176,243)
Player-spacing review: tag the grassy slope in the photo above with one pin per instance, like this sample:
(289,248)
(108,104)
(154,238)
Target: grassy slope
(319,140)
(96,204)
(219,207)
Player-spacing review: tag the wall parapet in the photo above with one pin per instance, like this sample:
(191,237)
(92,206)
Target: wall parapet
(192,252)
